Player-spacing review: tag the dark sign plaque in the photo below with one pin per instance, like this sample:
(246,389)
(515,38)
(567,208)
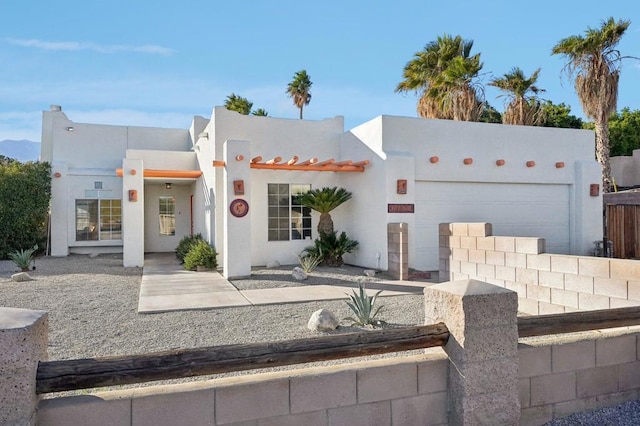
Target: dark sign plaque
(400,208)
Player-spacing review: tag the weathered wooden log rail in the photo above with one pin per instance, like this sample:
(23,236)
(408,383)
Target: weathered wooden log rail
(57,376)
(571,322)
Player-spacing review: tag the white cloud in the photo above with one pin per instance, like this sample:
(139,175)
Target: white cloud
(77,46)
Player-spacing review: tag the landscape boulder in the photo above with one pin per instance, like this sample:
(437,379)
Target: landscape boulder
(21,277)
(322,320)
(299,274)
(273,264)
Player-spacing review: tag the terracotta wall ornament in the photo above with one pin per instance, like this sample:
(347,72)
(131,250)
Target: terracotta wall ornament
(434,160)
(468,161)
(531,163)
(500,162)
(559,164)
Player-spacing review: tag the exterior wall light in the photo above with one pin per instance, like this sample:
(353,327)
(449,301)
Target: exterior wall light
(70,129)
(167,185)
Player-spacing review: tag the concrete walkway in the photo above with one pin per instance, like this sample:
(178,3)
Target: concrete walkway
(166,287)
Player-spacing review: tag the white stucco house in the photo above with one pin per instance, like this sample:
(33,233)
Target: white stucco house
(232,178)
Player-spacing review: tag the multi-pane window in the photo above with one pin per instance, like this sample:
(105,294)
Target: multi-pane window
(287,219)
(167,214)
(98,220)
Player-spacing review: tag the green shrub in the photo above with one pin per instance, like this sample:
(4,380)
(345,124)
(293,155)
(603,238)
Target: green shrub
(25,191)
(23,258)
(363,308)
(185,245)
(330,247)
(200,254)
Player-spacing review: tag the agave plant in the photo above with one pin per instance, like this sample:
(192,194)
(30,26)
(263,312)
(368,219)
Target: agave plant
(23,258)
(309,262)
(363,307)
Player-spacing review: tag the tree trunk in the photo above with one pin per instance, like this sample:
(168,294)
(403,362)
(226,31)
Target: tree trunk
(301,106)
(602,151)
(325,224)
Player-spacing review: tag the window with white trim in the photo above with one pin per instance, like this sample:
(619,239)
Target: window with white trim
(98,220)
(287,219)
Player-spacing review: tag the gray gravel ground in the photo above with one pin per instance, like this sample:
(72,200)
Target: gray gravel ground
(92,306)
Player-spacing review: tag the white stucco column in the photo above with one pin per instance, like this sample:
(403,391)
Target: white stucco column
(482,349)
(60,203)
(236,228)
(23,339)
(588,217)
(132,213)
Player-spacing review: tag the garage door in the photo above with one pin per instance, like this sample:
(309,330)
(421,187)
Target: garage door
(522,210)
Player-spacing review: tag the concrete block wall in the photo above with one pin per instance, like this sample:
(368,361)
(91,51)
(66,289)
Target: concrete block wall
(559,378)
(545,283)
(396,391)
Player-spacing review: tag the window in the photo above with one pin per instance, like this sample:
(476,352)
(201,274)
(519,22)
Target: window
(167,212)
(288,220)
(98,220)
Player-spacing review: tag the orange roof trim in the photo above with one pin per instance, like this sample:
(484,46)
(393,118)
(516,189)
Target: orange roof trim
(310,165)
(175,174)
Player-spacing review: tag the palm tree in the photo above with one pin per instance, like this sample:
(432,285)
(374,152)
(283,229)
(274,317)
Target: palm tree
(299,90)
(261,112)
(595,62)
(238,104)
(444,73)
(324,201)
(523,108)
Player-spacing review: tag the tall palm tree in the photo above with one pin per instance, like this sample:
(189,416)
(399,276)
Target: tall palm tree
(324,201)
(238,104)
(595,61)
(444,73)
(261,112)
(299,90)
(523,108)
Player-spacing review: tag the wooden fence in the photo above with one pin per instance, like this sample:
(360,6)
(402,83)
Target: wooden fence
(623,230)
(56,376)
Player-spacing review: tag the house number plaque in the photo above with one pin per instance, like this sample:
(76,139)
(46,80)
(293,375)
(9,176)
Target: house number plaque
(239,207)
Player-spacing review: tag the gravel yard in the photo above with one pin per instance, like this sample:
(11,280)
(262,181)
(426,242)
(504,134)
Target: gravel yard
(92,305)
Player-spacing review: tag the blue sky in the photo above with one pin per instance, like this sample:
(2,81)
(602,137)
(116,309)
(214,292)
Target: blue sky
(160,63)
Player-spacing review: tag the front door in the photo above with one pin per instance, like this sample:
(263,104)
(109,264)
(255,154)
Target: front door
(167,215)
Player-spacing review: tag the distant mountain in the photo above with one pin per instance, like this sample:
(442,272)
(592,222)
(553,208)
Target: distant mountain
(23,150)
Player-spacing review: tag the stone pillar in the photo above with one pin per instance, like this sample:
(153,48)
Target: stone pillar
(398,250)
(23,339)
(482,350)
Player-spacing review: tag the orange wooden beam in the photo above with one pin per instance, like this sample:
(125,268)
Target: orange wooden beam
(325,163)
(312,160)
(176,174)
(274,160)
(218,163)
(308,168)
(293,160)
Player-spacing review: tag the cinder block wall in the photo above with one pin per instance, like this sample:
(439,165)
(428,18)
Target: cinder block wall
(559,378)
(545,283)
(398,391)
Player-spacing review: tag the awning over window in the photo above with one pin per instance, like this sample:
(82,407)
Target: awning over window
(310,165)
(173,174)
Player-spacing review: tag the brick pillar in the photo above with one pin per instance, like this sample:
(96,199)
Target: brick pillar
(482,350)
(23,339)
(398,250)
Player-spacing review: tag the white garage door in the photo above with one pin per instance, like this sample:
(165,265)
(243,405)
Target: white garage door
(522,210)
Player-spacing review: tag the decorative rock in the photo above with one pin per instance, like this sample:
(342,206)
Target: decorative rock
(273,264)
(370,272)
(322,320)
(299,274)
(21,277)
